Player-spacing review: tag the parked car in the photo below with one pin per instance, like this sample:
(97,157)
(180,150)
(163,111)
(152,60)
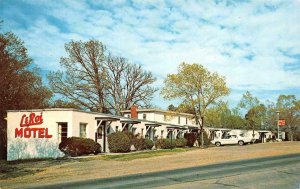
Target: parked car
(231,139)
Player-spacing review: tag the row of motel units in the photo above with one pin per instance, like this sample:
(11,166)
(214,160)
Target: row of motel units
(37,133)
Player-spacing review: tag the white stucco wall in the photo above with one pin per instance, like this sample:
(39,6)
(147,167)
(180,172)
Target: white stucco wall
(26,147)
(164,118)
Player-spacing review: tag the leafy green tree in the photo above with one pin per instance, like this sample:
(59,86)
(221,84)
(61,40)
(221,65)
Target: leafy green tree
(271,116)
(289,108)
(221,116)
(196,87)
(97,81)
(256,112)
(171,107)
(248,101)
(20,83)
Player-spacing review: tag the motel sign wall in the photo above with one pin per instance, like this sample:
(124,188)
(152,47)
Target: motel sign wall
(27,131)
(32,134)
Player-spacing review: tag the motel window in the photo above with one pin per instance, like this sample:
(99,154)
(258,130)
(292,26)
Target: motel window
(128,115)
(186,120)
(117,127)
(82,130)
(142,132)
(144,116)
(178,119)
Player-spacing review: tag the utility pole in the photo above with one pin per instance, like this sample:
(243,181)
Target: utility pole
(278,112)
(202,139)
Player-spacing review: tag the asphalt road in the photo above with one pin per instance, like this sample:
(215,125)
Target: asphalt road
(271,172)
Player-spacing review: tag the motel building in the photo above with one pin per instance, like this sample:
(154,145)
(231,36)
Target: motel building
(37,133)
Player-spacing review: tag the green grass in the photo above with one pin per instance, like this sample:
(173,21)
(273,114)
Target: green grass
(148,154)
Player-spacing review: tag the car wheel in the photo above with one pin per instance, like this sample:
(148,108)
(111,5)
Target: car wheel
(241,143)
(218,144)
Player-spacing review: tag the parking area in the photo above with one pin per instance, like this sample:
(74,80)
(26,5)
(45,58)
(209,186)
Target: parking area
(19,174)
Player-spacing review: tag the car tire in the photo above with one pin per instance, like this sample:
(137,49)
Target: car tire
(218,144)
(241,143)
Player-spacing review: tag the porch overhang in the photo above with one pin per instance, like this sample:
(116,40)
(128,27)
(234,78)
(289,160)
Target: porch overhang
(176,127)
(191,127)
(218,129)
(130,121)
(107,118)
(152,124)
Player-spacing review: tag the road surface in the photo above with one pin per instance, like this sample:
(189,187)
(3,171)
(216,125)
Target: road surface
(271,172)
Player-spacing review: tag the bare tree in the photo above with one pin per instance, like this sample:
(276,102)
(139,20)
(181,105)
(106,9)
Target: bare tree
(83,82)
(128,84)
(98,81)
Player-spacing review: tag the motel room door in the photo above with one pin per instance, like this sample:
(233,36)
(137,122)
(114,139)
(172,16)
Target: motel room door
(101,135)
(62,131)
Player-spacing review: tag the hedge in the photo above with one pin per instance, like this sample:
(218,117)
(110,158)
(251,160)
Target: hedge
(143,144)
(148,144)
(76,146)
(119,142)
(165,143)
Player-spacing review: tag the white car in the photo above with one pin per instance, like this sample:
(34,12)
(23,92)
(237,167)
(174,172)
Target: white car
(231,139)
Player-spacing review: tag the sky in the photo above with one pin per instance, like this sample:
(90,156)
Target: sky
(254,44)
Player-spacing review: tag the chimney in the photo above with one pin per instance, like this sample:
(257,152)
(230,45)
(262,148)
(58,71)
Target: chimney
(133,111)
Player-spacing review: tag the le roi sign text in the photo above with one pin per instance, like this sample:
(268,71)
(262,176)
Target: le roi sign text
(26,131)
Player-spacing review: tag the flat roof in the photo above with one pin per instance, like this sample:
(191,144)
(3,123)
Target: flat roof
(158,110)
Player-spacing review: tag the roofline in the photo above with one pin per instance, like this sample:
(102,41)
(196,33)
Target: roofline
(158,110)
(69,109)
(95,113)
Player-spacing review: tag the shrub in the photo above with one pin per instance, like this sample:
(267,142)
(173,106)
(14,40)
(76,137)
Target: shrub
(130,135)
(143,144)
(269,140)
(296,136)
(165,143)
(148,144)
(119,142)
(139,143)
(191,138)
(181,142)
(206,139)
(76,146)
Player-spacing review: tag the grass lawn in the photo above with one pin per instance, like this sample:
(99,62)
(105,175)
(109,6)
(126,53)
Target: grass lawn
(147,154)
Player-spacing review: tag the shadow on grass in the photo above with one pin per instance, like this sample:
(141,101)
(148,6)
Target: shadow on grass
(147,154)
(13,169)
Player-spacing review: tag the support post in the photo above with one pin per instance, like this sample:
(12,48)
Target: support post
(171,139)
